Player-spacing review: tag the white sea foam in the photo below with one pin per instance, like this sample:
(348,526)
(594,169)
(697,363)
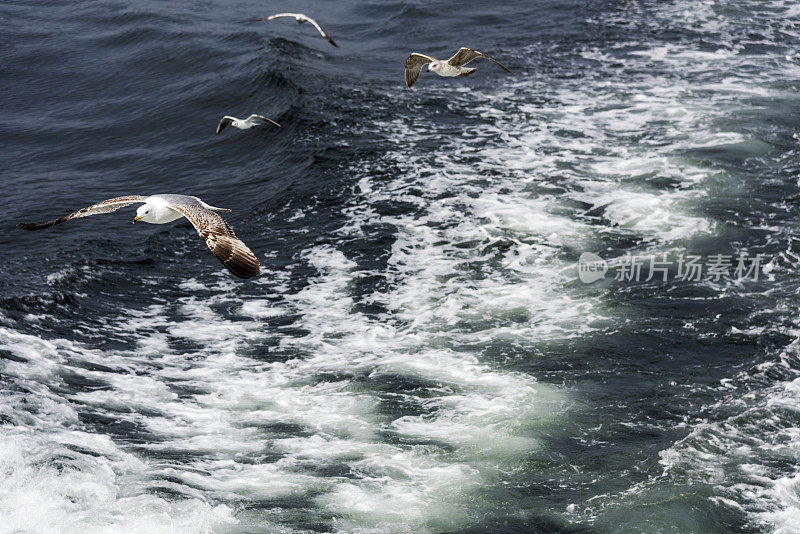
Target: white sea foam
(55,477)
(742,455)
(391,421)
(748,452)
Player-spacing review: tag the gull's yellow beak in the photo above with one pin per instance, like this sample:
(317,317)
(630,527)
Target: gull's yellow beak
(136,219)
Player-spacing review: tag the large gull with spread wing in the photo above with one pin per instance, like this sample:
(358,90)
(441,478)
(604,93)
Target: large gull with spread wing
(452,67)
(160,209)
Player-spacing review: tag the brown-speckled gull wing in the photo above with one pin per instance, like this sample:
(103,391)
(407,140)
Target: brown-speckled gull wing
(106,206)
(414,65)
(221,240)
(465,55)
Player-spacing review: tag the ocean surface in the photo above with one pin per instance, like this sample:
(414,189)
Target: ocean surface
(420,354)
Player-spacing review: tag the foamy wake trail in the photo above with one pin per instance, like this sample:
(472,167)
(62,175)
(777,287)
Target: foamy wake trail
(743,455)
(249,432)
(748,450)
(373,422)
(55,475)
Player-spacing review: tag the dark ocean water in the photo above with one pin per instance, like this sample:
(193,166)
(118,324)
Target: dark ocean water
(419,354)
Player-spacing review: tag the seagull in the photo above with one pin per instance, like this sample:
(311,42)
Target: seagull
(452,67)
(300,18)
(243,124)
(160,209)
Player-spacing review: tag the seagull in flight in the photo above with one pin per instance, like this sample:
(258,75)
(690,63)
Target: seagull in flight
(160,209)
(300,18)
(452,67)
(243,124)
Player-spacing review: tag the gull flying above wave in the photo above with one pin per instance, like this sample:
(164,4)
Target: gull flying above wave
(160,209)
(452,67)
(300,18)
(243,124)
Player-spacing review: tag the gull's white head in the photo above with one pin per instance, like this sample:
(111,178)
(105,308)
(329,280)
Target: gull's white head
(435,66)
(145,213)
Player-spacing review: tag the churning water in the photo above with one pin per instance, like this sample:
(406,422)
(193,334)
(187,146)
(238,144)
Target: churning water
(420,354)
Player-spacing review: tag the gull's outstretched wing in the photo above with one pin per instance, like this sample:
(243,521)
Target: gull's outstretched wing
(414,64)
(300,18)
(224,121)
(465,55)
(279,15)
(321,31)
(263,118)
(106,206)
(221,240)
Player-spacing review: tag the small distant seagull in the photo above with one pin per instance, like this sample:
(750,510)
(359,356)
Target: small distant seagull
(243,124)
(452,67)
(160,209)
(300,18)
